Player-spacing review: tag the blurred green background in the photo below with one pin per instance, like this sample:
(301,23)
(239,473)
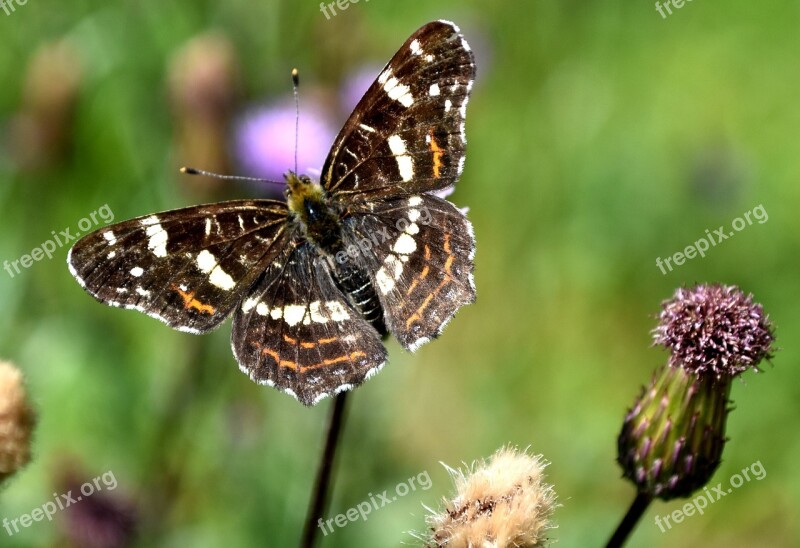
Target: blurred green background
(601,136)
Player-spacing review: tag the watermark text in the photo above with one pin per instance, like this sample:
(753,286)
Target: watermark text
(376,502)
(60,502)
(709,496)
(711,239)
(64,237)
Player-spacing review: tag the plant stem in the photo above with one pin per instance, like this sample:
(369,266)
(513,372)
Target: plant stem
(635,512)
(322,485)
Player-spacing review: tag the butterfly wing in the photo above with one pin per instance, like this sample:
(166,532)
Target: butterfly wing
(296,331)
(419,251)
(407,133)
(187,267)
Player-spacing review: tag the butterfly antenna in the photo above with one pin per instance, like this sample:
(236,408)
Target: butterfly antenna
(295,85)
(193,171)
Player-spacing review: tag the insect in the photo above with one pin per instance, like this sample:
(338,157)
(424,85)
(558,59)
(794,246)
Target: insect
(315,282)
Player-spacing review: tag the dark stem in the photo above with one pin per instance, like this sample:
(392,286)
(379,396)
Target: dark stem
(322,485)
(635,512)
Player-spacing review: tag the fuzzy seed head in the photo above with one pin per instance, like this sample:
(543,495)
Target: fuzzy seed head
(499,504)
(17,421)
(714,330)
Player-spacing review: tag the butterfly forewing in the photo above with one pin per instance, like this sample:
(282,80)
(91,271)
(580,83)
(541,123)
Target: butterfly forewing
(298,332)
(407,134)
(187,267)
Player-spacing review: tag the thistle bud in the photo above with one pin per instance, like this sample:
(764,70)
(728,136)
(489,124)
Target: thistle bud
(672,439)
(501,504)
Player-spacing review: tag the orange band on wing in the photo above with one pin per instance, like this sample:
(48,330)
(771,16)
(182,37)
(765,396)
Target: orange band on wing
(324,363)
(189,302)
(438,152)
(448,277)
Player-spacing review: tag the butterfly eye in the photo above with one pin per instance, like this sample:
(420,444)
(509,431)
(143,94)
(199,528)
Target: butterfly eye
(305,179)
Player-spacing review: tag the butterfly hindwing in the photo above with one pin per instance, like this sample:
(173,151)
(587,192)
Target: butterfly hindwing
(187,267)
(419,249)
(298,332)
(407,133)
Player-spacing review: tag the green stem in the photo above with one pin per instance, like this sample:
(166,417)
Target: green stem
(625,528)
(322,485)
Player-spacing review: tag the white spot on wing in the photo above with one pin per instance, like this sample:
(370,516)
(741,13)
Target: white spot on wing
(206,261)
(419,342)
(221,279)
(337,311)
(398,92)
(434,90)
(414,201)
(137,271)
(415,48)
(293,314)
(316,315)
(385,282)
(207,264)
(405,244)
(158,238)
(404,163)
(109,236)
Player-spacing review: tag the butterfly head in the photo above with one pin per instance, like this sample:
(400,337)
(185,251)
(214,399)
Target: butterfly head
(306,200)
(301,188)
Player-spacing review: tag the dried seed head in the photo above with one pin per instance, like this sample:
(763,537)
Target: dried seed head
(714,330)
(17,421)
(505,503)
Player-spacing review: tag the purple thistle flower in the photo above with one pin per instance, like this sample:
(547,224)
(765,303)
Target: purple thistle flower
(714,330)
(265,144)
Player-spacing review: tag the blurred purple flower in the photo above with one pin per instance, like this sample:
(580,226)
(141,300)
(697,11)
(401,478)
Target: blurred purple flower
(103,520)
(355,86)
(264,139)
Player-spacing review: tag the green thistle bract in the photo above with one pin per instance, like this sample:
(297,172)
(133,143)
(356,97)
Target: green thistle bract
(672,440)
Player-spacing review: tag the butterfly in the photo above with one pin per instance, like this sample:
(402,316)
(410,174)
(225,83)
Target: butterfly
(316,282)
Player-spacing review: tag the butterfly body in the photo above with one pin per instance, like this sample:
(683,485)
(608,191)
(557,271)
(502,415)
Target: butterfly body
(314,283)
(320,222)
